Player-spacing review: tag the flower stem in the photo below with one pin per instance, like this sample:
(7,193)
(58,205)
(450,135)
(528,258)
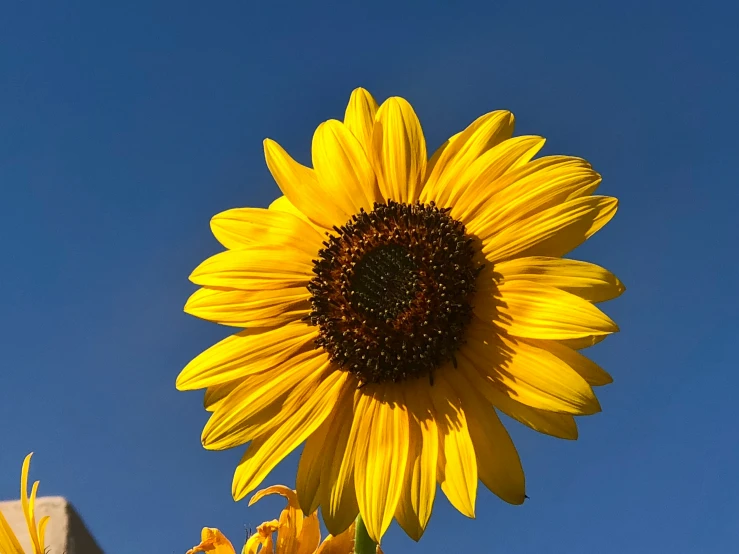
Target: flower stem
(363,544)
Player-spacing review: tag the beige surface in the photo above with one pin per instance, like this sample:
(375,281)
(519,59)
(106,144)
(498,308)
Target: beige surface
(65,533)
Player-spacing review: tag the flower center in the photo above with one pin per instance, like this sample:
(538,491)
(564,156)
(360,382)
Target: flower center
(392,291)
(385,282)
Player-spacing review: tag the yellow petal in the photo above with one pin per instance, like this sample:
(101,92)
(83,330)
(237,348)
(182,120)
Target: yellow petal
(8,541)
(282,204)
(343,169)
(308,478)
(552,232)
(31,519)
(310,535)
(262,538)
(446,153)
(498,464)
(252,308)
(246,353)
(555,424)
(532,194)
(42,529)
(285,492)
(337,492)
(419,485)
(244,227)
(265,452)
(588,369)
(588,281)
(431,165)
(259,267)
(360,117)
(339,544)
(28,505)
(300,185)
(457,464)
(212,541)
(530,375)
(291,519)
(536,311)
(382,454)
(485,133)
(584,342)
(261,404)
(400,151)
(562,426)
(481,179)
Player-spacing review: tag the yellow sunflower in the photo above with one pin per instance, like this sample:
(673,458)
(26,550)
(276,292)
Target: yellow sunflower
(9,543)
(391,303)
(296,534)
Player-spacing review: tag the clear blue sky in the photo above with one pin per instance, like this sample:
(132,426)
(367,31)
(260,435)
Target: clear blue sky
(124,126)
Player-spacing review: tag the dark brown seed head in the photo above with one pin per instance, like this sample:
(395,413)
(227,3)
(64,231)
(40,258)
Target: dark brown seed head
(392,291)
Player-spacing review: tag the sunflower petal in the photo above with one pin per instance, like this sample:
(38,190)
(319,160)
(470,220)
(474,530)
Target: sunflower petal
(337,492)
(259,405)
(254,308)
(257,268)
(436,156)
(212,541)
(245,353)
(532,310)
(339,544)
(457,464)
(488,131)
(552,232)
(42,530)
(8,541)
(532,194)
(291,519)
(262,538)
(446,153)
(583,342)
(588,369)
(310,535)
(562,426)
(245,227)
(419,485)
(343,169)
(382,454)
(308,479)
(558,425)
(498,464)
(400,151)
(265,452)
(215,394)
(282,204)
(29,504)
(300,185)
(586,280)
(530,375)
(480,180)
(321,460)
(360,117)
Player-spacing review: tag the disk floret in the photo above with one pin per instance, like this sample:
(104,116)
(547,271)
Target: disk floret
(392,291)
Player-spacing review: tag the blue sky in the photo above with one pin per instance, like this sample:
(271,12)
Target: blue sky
(125,126)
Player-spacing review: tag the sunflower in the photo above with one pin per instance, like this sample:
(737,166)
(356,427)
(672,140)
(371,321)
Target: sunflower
(9,543)
(296,534)
(392,304)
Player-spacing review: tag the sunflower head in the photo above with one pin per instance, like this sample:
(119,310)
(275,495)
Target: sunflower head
(391,304)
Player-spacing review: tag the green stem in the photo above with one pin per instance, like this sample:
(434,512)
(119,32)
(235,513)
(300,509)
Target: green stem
(363,544)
